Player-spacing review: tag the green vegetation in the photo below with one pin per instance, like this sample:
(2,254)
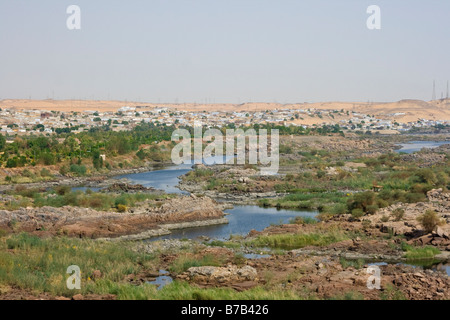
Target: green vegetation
(63,196)
(224,244)
(333,202)
(430,220)
(396,181)
(295,241)
(80,152)
(303,220)
(351,295)
(357,264)
(41,264)
(419,253)
(398,214)
(392,293)
(183,291)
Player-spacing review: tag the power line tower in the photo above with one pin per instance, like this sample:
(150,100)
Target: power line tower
(434,91)
(446,97)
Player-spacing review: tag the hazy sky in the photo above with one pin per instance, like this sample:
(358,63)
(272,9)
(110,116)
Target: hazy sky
(224,50)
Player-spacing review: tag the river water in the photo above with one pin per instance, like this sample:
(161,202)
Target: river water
(242,219)
(414,146)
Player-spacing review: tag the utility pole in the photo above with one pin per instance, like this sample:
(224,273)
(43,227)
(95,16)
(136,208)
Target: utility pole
(434,91)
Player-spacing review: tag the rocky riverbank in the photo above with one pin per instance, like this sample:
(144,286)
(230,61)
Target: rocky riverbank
(89,223)
(102,180)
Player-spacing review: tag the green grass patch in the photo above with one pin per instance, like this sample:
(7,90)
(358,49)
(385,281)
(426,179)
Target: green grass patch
(223,244)
(40,265)
(419,253)
(63,196)
(299,240)
(357,264)
(183,291)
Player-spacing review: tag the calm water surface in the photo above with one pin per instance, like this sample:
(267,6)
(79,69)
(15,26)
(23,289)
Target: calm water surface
(242,219)
(415,146)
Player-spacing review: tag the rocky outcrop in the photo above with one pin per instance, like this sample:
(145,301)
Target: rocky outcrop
(221,275)
(127,188)
(84,222)
(408,224)
(425,159)
(423,285)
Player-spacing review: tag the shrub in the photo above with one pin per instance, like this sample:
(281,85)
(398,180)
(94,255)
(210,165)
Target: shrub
(78,169)
(303,220)
(121,200)
(362,200)
(45,173)
(366,223)
(48,158)
(426,175)
(398,214)
(63,170)
(382,203)
(11,163)
(415,197)
(321,174)
(357,213)
(27,173)
(62,190)
(372,209)
(339,208)
(71,199)
(430,220)
(122,208)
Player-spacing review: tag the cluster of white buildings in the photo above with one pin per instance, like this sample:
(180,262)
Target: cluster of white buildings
(22,122)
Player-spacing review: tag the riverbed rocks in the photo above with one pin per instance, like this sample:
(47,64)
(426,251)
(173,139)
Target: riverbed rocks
(420,285)
(326,277)
(84,222)
(408,225)
(166,245)
(425,158)
(238,185)
(228,274)
(122,187)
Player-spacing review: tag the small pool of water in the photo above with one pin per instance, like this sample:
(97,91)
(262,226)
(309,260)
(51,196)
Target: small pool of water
(161,281)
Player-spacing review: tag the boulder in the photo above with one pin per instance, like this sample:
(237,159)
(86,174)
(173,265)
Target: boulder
(222,274)
(441,233)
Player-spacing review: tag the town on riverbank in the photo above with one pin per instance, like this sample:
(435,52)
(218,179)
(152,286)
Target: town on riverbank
(34,117)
